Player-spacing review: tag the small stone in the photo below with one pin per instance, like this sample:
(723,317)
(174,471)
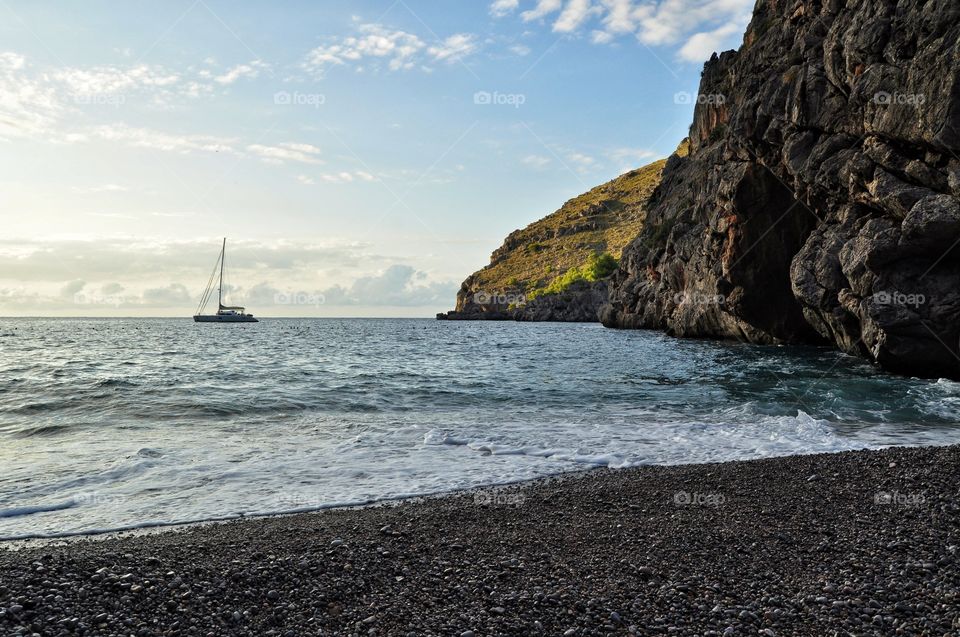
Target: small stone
(273,595)
(466,633)
(336,542)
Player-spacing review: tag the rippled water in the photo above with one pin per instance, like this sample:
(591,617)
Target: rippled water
(110,423)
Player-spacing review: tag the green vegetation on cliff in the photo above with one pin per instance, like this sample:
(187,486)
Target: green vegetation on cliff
(580,241)
(598,266)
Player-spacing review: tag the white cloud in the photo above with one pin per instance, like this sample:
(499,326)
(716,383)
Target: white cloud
(250,71)
(114,80)
(500,8)
(346,177)
(696,28)
(397,48)
(520,49)
(453,48)
(398,285)
(582,163)
(158,140)
(290,151)
(29,106)
(536,161)
(701,46)
(632,154)
(573,15)
(303,179)
(99,189)
(543,8)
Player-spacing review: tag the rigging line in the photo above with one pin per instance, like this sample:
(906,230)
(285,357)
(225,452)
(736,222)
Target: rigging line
(206,293)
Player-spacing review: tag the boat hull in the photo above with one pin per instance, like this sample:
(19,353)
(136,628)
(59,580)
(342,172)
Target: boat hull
(224,318)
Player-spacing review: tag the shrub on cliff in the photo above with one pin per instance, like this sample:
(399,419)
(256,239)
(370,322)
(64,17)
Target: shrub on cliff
(598,266)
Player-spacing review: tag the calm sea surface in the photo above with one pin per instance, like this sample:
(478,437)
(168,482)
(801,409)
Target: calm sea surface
(118,423)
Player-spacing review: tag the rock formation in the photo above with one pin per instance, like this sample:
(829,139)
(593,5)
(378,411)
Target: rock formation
(820,201)
(602,220)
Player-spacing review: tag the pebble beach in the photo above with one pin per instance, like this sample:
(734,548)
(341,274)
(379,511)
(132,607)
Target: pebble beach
(853,543)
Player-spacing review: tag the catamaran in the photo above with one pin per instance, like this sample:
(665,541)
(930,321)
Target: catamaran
(225,313)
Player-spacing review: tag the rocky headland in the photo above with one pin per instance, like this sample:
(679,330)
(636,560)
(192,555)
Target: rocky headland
(540,272)
(819,201)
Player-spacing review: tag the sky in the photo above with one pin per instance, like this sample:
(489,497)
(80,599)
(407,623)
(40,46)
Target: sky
(362,157)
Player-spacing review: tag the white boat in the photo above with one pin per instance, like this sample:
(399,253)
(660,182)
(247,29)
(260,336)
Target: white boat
(225,313)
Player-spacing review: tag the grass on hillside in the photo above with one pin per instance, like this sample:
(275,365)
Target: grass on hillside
(539,258)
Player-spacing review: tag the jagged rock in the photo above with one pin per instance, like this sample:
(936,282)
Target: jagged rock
(819,202)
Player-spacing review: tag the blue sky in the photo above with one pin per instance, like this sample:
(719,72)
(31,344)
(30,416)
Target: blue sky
(363,157)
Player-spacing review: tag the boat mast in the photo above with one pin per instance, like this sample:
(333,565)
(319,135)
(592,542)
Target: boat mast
(223,256)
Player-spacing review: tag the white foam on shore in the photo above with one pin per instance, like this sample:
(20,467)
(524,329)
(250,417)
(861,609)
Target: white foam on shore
(217,474)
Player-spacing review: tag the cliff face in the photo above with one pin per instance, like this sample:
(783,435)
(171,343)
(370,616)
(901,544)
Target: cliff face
(514,285)
(819,202)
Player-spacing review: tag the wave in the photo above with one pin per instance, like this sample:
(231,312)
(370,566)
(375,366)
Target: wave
(116,382)
(16,512)
(42,431)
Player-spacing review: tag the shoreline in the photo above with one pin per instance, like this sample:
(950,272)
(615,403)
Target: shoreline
(861,541)
(37,540)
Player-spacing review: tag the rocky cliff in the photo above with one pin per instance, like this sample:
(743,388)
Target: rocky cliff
(819,202)
(521,281)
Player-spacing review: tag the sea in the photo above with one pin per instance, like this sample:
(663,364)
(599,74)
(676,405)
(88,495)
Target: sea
(110,424)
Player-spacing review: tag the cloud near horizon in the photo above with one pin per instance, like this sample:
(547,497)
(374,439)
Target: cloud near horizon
(78,277)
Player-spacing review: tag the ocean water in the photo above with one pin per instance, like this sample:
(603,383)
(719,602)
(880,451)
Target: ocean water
(122,423)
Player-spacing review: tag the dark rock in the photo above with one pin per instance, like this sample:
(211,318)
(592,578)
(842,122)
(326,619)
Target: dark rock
(819,202)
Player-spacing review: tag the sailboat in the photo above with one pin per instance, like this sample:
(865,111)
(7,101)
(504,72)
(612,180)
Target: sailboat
(225,313)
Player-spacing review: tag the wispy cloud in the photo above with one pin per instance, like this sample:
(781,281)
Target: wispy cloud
(376,46)
(500,8)
(694,27)
(98,189)
(288,151)
(536,161)
(240,71)
(454,48)
(158,140)
(542,9)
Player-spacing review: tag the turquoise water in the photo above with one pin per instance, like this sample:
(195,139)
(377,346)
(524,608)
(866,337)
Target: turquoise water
(118,423)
